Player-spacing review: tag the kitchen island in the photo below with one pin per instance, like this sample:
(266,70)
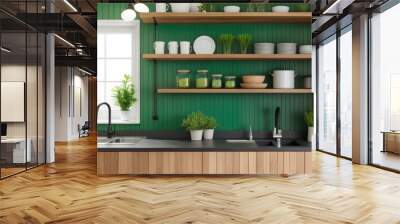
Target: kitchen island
(158,157)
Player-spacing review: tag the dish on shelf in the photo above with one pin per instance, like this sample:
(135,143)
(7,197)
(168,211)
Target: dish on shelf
(287,48)
(195,7)
(305,49)
(283,79)
(280,8)
(180,7)
(204,45)
(253,85)
(231,8)
(253,78)
(264,48)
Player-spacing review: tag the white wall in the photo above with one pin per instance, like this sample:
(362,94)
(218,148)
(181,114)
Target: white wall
(70,83)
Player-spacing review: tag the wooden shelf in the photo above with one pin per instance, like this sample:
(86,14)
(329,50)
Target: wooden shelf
(223,17)
(205,91)
(247,57)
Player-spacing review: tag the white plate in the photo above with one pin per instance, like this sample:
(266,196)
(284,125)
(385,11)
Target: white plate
(204,45)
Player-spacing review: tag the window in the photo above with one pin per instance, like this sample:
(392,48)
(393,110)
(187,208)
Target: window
(118,53)
(346,93)
(385,87)
(327,96)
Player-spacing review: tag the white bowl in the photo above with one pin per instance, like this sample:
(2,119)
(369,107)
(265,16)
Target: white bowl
(305,49)
(286,48)
(264,48)
(280,8)
(231,8)
(180,7)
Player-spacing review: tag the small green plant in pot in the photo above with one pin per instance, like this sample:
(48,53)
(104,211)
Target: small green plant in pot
(195,123)
(125,96)
(209,125)
(309,119)
(244,42)
(226,40)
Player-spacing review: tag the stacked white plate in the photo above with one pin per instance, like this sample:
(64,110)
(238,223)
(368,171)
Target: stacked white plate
(287,48)
(305,49)
(264,48)
(204,45)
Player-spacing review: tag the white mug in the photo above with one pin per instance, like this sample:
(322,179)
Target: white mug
(173,47)
(159,47)
(162,7)
(184,47)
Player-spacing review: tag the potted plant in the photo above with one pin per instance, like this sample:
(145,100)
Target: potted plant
(226,40)
(309,119)
(125,96)
(195,124)
(209,125)
(244,42)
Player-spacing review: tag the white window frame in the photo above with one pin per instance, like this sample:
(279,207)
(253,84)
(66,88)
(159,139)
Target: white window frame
(110,26)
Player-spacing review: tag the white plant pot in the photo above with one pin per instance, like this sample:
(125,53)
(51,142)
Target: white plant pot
(126,115)
(310,134)
(196,135)
(208,134)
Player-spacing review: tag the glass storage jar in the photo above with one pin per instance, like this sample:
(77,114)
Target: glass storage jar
(216,81)
(230,82)
(182,78)
(202,79)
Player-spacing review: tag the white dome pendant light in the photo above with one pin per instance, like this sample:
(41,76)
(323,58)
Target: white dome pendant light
(141,8)
(128,14)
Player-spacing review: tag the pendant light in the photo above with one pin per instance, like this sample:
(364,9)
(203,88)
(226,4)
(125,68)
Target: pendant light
(128,14)
(141,8)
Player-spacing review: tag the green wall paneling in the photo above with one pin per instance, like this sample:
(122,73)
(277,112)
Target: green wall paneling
(233,111)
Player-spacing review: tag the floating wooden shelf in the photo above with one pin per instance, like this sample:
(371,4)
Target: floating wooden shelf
(247,57)
(223,17)
(272,91)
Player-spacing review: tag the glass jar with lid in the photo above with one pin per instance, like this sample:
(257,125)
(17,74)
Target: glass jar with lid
(182,78)
(202,78)
(230,82)
(216,81)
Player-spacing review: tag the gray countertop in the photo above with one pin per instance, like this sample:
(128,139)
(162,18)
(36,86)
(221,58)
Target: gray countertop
(158,145)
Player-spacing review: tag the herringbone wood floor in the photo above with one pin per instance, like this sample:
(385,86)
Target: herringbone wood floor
(70,192)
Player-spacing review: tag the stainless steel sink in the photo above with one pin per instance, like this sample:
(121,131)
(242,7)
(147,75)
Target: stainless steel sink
(124,140)
(240,141)
(273,143)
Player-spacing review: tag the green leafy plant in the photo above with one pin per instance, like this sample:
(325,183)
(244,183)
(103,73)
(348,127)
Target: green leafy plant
(194,121)
(210,123)
(309,119)
(244,42)
(207,7)
(125,93)
(226,40)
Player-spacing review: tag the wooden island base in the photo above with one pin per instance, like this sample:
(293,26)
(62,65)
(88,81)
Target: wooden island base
(261,163)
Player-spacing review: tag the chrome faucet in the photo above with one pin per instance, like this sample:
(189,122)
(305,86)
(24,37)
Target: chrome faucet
(277,134)
(109,127)
(250,134)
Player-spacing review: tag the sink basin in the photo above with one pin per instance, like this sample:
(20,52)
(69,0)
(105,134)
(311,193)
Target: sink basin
(240,141)
(271,142)
(125,140)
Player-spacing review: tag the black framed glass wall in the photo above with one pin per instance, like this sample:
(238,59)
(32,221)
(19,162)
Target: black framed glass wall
(334,99)
(22,88)
(385,89)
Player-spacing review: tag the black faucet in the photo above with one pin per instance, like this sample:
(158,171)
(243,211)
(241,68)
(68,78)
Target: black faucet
(109,127)
(277,133)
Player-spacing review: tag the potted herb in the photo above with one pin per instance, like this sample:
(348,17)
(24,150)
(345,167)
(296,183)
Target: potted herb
(209,125)
(244,42)
(226,40)
(309,119)
(195,124)
(125,97)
